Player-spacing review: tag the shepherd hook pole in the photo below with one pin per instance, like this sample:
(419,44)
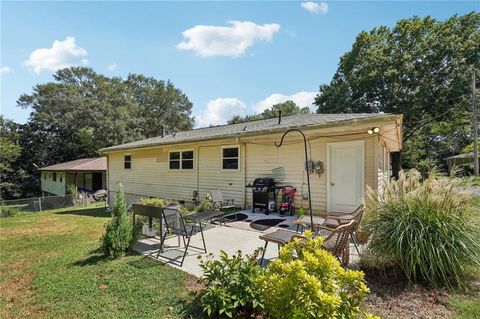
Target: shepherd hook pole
(306,163)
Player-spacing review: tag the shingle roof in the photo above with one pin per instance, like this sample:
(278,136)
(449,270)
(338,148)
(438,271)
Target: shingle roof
(258,126)
(84,164)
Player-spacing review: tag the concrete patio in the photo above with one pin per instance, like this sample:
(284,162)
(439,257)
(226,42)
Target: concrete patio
(231,237)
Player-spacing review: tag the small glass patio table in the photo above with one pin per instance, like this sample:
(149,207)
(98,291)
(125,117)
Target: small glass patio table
(202,217)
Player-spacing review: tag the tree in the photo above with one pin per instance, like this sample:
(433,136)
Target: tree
(287,108)
(82,111)
(120,232)
(419,68)
(10,150)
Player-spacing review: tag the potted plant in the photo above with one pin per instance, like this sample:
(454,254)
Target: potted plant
(362,235)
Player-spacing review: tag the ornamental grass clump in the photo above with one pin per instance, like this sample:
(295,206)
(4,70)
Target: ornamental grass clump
(308,282)
(429,229)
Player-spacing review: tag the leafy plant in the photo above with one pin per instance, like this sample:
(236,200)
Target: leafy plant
(156,202)
(205,205)
(230,284)
(8,211)
(308,282)
(428,229)
(72,189)
(120,233)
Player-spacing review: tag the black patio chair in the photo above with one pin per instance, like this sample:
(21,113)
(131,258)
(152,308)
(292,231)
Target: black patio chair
(175,224)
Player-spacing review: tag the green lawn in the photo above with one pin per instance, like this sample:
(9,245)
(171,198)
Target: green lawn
(51,268)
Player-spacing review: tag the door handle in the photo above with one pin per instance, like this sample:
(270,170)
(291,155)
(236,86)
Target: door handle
(332,184)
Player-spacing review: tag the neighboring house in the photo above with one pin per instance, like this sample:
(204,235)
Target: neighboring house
(88,174)
(461,161)
(228,157)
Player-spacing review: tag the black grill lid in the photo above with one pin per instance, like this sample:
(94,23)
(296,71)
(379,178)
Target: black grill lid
(263,182)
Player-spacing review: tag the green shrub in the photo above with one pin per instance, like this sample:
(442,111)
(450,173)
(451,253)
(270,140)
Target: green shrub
(428,229)
(230,284)
(156,202)
(72,189)
(120,234)
(8,211)
(161,202)
(308,282)
(205,205)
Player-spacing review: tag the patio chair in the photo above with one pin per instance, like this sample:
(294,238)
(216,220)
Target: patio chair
(175,224)
(336,219)
(337,242)
(220,202)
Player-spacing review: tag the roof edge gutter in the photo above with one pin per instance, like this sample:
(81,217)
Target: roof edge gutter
(390,117)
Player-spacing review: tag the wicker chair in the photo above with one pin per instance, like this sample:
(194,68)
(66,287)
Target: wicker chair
(337,242)
(336,219)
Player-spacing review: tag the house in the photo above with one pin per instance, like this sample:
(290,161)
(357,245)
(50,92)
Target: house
(349,152)
(88,174)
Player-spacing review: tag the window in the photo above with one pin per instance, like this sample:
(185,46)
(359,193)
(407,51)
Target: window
(54,177)
(230,158)
(45,176)
(181,160)
(61,180)
(127,161)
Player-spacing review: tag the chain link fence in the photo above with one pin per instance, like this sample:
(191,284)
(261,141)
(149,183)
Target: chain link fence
(38,204)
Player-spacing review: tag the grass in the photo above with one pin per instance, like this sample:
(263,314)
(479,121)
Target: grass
(51,268)
(465,307)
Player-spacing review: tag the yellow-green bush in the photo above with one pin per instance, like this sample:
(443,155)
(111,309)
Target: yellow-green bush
(308,282)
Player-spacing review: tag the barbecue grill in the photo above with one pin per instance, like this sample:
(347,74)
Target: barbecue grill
(263,191)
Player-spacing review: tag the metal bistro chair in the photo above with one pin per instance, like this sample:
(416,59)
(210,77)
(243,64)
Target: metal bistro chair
(175,224)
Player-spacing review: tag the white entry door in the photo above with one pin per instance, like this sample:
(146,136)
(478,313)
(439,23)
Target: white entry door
(345,179)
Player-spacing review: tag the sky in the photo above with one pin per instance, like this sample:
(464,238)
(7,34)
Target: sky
(229,58)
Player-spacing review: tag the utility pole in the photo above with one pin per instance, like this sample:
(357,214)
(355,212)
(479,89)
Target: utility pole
(475,124)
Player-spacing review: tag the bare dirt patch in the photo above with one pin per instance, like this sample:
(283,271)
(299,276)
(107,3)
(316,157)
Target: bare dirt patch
(395,298)
(45,226)
(19,298)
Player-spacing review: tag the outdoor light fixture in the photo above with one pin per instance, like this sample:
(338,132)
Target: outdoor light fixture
(373,130)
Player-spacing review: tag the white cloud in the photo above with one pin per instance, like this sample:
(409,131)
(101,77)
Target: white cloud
(5,69)
(229,41)
(315,7)
(220,110)
(302,99)
(112,67)
(62,54)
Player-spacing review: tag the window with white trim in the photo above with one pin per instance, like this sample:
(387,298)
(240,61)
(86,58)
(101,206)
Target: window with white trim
(181,160)
(127,161)
(54,177)
(230,158)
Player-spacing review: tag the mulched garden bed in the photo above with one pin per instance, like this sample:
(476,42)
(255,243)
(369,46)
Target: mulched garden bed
(392,297)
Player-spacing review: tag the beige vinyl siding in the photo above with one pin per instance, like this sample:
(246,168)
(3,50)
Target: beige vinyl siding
(382,161)
(150,174)
(261,159)
(212,177)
